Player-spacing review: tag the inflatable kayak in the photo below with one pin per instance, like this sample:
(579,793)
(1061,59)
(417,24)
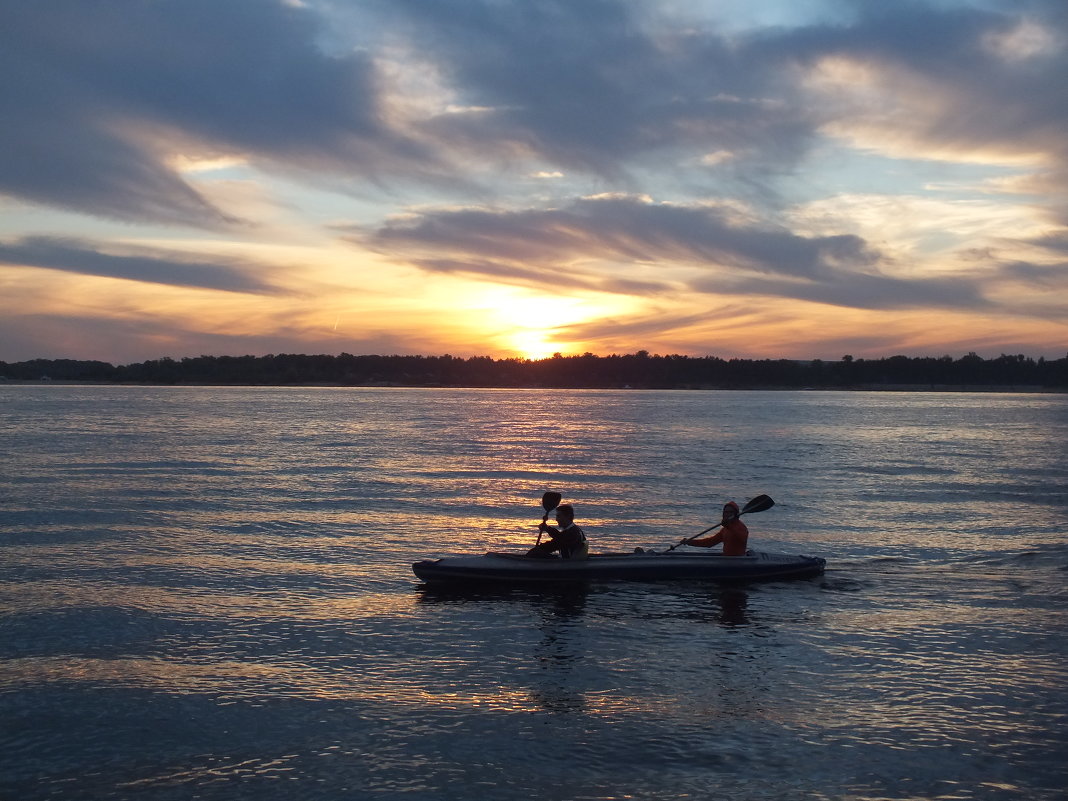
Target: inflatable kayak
(638,566)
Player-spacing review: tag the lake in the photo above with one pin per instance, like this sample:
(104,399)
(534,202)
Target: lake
(206,593)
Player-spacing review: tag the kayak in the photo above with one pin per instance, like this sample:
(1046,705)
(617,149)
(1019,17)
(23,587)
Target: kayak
(637,566)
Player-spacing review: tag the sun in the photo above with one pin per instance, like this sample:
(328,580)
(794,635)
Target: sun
(533,345)
(526,323)
(533,325)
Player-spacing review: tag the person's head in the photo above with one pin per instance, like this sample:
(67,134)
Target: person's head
(731,511)
(565,514)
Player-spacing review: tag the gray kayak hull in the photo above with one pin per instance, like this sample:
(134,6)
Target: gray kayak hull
(754,566)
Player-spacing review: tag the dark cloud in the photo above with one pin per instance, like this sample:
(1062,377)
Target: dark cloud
(1057,242)
(97,95)
(605,85)
(1049,277)
(622,228)
(1048,285)
(135,264)
(988,78)
(52,160)
(1044,275)
(563,246)
(591,86)
(838,287)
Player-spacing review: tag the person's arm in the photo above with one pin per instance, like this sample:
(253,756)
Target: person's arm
(707,542)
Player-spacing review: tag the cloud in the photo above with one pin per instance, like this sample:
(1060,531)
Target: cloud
(1049,276)
(1057,242)
(639,327)
(592,86)
(99,96)
(864,291)
(110,95)
(717,249)
(955,83)
(1034,268)
(133,264)
(506,272)
(610,87)
(617,227)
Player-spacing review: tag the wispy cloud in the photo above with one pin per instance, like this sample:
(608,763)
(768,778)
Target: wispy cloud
(708,249)
(135,264)
(106,93)
(958,83)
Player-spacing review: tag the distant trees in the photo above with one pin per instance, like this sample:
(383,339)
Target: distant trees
(58,369)
(637,370)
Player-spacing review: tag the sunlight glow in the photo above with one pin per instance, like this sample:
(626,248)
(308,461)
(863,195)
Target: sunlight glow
(520,322)
(193,164)
(534,345)
(527,321)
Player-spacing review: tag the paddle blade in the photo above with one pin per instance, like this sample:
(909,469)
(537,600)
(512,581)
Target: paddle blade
(550,500)
(760,503)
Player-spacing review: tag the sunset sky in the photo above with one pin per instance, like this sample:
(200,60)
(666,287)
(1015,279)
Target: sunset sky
(738,178)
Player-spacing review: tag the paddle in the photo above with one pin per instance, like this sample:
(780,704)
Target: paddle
(760,503)
(549,501)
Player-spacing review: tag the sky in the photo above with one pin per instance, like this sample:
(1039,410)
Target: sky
(515,178)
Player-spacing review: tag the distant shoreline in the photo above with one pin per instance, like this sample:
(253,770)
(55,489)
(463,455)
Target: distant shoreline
(640,370)
(890,388)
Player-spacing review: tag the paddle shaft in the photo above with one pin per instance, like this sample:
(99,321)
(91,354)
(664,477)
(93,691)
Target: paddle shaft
(695,536)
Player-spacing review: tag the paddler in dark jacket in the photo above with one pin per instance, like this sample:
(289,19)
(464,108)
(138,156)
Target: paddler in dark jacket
(568,539)
(734,534)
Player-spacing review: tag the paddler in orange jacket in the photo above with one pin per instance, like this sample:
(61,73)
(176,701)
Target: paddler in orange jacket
(734,534)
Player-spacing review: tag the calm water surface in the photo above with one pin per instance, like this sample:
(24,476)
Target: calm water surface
(206,593)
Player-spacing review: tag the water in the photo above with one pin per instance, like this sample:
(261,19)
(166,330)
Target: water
(206,594)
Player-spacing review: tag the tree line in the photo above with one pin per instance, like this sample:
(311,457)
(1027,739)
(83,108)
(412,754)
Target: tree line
(639,370)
